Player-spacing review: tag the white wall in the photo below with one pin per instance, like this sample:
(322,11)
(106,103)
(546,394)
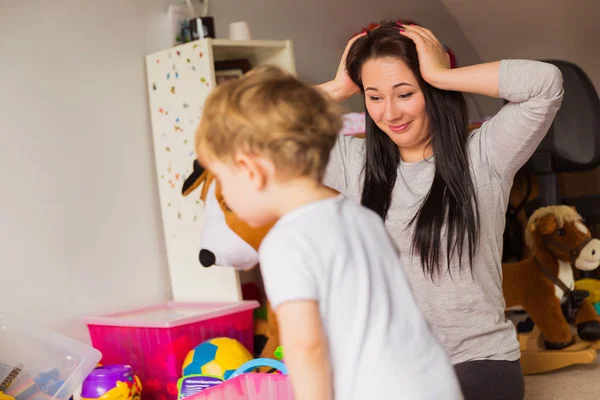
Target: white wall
(537,29)
(320,29)
(80,228)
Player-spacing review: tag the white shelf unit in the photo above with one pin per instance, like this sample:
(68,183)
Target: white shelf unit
(179,80)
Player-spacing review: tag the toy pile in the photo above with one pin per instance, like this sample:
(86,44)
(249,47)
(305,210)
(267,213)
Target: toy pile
(216,366)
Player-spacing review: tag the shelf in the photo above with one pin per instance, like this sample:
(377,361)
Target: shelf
(249,43)
(179,80)
(256,51)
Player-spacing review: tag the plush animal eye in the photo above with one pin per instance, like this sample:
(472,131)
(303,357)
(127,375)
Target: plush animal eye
(561,232)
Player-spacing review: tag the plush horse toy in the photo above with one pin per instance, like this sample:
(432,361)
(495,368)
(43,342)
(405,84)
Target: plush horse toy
(543,284)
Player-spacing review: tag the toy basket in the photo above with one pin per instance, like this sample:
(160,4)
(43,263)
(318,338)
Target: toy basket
(252,386)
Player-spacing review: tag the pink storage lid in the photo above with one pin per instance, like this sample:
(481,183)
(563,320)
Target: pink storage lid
(171,314)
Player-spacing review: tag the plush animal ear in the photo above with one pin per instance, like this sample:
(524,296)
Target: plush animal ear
(547,224)
(531,227)
(194,180)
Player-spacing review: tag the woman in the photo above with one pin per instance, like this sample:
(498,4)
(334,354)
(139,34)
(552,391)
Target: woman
(442,191)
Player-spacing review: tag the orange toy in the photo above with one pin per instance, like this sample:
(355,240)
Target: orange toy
(217,209)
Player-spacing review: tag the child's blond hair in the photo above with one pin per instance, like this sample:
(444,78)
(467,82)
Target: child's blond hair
(270,113)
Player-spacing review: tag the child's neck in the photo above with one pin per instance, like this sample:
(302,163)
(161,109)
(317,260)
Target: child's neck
(299,192)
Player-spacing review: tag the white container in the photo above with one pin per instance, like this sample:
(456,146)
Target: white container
(239,31)
(52,365)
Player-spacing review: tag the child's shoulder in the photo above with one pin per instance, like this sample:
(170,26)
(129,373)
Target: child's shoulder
(338,216)
(362,214)
(346,212)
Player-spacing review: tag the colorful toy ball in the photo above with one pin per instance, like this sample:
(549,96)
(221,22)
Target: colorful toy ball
(218,357)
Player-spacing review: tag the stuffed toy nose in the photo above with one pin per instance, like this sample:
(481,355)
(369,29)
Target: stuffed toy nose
(592,250)
(207,258)
(589,257)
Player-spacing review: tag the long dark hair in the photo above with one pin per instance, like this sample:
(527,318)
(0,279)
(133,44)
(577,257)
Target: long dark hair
(451,203)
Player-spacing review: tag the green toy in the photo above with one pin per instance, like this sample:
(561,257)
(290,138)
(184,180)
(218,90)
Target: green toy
(279,353)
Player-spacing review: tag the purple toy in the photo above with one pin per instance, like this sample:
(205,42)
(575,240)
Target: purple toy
(103,379)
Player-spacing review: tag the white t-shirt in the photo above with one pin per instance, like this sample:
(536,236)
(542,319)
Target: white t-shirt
(339,253)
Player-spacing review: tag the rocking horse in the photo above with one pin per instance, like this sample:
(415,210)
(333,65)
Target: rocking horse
(543,285)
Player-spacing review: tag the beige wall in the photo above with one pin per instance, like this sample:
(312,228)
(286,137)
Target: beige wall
(80,228)
(320,29)
(537,29)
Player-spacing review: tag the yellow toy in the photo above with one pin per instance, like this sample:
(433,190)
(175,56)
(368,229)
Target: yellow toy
(592,286)
(5,396)
(122,390)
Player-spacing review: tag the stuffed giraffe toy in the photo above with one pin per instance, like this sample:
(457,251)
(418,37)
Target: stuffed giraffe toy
(229,241)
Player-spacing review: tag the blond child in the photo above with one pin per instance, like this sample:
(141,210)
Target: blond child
(348,322)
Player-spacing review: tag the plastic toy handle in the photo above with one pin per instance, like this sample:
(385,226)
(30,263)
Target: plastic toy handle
(260,362)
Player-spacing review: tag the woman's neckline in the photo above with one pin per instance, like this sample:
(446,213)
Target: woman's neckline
(415,154)
(415,164)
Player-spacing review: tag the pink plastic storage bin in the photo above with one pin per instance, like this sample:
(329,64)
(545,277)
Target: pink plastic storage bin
(155,340)
(250,386)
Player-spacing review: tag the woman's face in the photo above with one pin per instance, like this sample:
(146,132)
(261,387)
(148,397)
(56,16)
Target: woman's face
(396,103)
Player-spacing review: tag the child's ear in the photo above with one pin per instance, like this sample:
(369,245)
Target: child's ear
(258,169)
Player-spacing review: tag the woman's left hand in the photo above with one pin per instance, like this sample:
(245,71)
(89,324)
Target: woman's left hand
(434,61)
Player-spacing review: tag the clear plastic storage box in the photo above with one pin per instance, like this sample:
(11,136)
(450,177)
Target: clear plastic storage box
(37,363)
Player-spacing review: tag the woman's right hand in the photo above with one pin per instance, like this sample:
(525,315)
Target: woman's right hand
(342,87)
(342,79)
